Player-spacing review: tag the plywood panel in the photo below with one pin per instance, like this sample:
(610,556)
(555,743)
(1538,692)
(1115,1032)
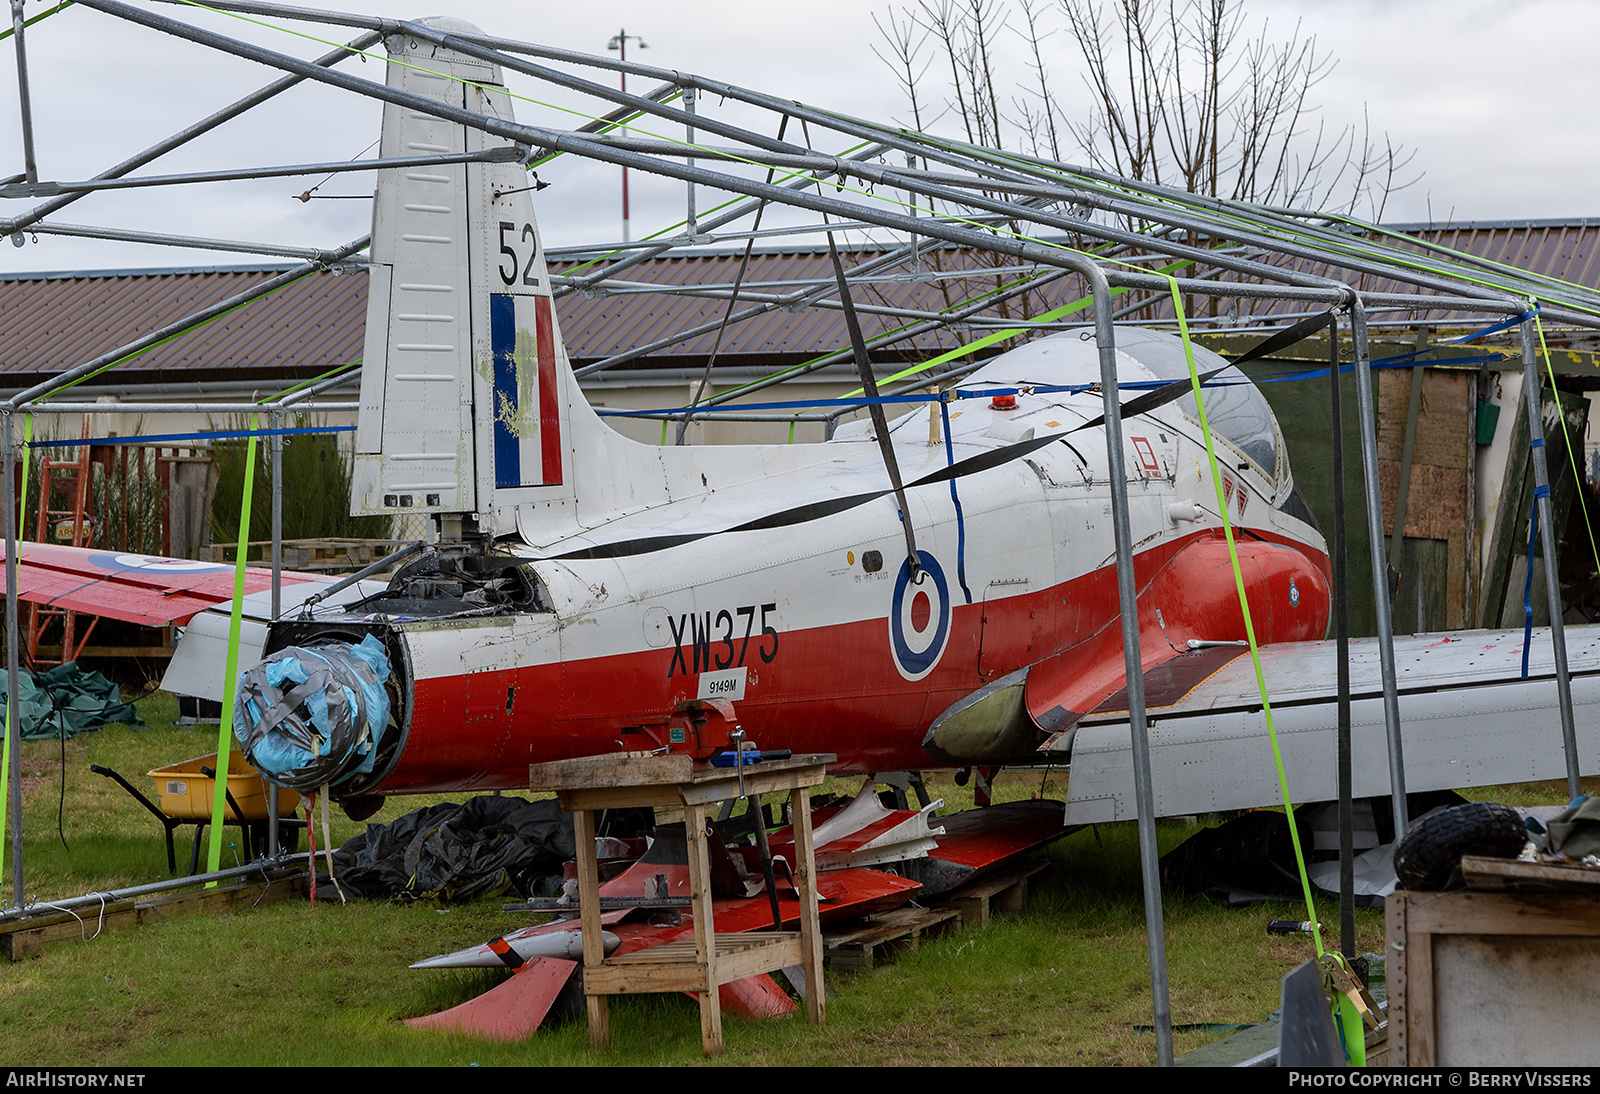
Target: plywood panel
(1437,505)
(1515,1001)
(1444,424)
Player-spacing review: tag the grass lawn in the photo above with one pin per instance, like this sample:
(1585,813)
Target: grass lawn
(1067,982)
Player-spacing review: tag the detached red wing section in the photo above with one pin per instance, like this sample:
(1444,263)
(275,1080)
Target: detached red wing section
(982,840)
(510,1011)
(143,589)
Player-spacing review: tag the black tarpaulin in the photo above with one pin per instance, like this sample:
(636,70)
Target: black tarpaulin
(450,853)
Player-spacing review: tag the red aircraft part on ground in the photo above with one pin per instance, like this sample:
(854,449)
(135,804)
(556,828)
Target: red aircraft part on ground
(137,588)
(516,1008)
(983,839)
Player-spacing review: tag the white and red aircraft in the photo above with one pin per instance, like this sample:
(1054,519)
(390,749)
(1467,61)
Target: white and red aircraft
(586,590)
(631,581)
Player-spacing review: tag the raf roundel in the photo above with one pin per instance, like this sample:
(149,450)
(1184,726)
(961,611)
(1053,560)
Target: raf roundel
(919,618)
(118,563)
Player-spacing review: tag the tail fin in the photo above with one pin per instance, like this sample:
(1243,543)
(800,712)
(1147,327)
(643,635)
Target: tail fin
(467,400)
(469,409)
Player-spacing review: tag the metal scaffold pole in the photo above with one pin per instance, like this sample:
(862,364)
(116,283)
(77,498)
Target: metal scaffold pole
(1367,412)
(8,447)
(1341,615)
(1128,601)
(1547,536)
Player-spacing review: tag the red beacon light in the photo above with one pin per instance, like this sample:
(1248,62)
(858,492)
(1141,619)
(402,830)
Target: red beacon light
(1003,402)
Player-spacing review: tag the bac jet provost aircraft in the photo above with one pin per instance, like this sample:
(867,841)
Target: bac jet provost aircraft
(585,590)
(621,589)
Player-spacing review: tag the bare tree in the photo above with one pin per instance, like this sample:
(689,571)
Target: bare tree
(963,36)
(1038,123)
(1187,93)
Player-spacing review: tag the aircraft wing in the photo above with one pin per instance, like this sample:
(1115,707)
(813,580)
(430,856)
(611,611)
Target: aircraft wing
(1090,678)
(143,589)
(1467,719)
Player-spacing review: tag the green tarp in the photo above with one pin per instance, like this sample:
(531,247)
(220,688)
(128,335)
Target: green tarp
(67,701)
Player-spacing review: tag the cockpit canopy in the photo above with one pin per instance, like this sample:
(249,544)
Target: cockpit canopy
(1235,409)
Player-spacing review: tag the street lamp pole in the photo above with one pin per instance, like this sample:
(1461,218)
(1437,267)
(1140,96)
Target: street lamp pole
(619,42)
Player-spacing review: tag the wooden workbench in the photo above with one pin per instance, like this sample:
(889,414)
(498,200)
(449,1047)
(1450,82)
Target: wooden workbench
(587,785)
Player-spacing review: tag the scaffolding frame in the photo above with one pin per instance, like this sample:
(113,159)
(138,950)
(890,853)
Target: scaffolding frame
(1046,221)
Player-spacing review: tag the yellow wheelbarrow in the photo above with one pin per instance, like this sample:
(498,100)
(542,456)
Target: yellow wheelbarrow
(185,791)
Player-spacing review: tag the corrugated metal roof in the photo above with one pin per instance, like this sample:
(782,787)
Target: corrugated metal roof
(49,323)
(1564,250)
(1567,252)
(52,322)
(599,326)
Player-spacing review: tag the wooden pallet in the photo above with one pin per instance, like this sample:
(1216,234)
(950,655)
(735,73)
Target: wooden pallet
(874,940)
(1001,894)
(25,937)
(313,555)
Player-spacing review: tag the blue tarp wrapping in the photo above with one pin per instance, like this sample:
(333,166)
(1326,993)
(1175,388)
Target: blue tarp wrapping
(306,717)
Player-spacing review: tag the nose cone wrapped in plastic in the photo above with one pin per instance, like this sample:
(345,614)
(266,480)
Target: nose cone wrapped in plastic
(309,717)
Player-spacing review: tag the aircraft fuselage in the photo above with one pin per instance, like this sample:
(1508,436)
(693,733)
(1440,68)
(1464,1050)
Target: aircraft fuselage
(817,633)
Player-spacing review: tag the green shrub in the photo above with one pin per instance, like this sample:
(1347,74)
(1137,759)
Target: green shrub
(316,489)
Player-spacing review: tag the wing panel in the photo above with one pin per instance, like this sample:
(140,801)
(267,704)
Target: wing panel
(1468,719)
(136,588)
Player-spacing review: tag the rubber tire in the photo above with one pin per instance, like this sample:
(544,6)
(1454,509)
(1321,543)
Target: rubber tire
(1430,855)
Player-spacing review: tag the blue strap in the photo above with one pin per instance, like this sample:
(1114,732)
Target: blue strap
(1527,590)
(1402,361)
(1137,385)
(961,524)
(1504,324)
(164,438)
(1036,389)
(1527,584)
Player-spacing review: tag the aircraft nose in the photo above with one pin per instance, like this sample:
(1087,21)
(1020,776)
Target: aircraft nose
(1287,587)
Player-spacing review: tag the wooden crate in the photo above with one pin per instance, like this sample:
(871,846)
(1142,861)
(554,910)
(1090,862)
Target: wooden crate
(1493,979)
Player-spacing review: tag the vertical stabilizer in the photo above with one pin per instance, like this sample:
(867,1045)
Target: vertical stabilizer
(469,409)
(465,387)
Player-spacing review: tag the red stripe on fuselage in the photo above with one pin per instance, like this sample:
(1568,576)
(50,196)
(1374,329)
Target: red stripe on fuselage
(829,688)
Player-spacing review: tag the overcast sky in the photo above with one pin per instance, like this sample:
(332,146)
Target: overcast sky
(1493,97)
